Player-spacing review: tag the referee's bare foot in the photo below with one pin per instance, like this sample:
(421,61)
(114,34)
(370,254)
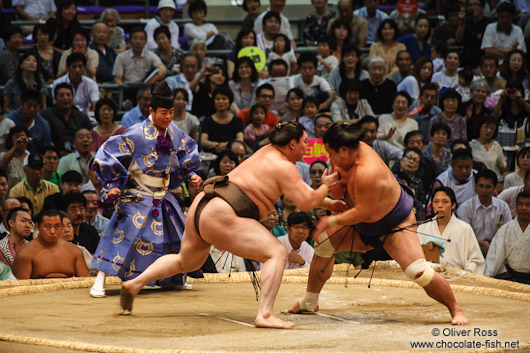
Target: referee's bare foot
(271,321)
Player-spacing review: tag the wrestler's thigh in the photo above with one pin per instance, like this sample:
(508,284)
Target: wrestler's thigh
(346,238)
(404,246)
(192,243)
(245,237)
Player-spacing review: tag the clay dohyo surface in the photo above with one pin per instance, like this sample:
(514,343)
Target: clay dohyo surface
(217,314)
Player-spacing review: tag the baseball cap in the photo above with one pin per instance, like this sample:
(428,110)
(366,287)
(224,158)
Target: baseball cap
(35,161)
(167,3)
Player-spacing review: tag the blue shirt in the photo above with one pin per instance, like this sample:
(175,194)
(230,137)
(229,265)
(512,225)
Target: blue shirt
(40,131)
(424,119)
(373,22)
(412,47)
(133,116)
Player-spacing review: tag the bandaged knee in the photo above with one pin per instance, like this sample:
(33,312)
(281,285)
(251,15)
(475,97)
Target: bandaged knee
(309,302)
(418,267)
(324,248)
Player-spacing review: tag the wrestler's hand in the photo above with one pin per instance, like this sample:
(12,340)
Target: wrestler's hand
(337,206)
(113,192)
(196,181)
(331,180)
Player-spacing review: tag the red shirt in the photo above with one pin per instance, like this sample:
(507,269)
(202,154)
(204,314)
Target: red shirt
(270,120)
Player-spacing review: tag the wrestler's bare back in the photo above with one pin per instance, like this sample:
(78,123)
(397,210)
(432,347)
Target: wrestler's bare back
(264,176)
(370,183)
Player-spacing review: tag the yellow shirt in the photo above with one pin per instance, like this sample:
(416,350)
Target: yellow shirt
(36,196)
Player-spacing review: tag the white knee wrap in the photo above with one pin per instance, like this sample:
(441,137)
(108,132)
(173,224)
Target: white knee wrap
(417,267)
(309,302)
(324,248)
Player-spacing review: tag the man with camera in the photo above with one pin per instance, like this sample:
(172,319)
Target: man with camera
(27,116)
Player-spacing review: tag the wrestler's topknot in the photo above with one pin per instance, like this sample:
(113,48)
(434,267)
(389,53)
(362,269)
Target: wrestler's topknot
(343,133)
(285,132)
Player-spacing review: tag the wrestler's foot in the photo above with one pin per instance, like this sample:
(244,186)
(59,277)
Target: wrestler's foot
(295,309)
(272,322)
(97,292)
(459,318)
(127,295)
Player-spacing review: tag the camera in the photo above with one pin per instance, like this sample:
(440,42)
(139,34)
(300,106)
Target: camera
(511,91)
(28,140)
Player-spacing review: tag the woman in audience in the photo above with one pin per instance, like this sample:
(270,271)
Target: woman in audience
(5,125)
(421,75)
(64,24)
(514,68)
(409,164)
(437,150)
(450,102)
(349,106)
(417,43)
(252,8)
(170,56)
(197,29)
(244,82)
(281,49)
(79,43)
(349,68)
(226,161)
(516,178)
(486,149)
(105,112)
(12,36)
(222,126)
(340,33)
(27,76)
(13,159)
(295,99)
(393,127)
(214,76)
(245,38)
(183,119)
(47,57)
(387,46)
(116,34)
(512,108)
(474,109)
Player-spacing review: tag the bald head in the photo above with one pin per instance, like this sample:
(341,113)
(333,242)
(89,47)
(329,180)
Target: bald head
(345,9)
(100,33)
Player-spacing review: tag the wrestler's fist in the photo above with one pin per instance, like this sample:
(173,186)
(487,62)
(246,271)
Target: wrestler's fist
(331,180)
(196,181)
(337,206)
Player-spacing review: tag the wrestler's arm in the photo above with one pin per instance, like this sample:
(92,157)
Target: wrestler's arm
(22,266)
(295,189)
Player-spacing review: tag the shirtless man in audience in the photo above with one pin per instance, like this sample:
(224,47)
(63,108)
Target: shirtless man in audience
(49,256)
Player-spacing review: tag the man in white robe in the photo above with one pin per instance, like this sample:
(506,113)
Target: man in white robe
(509,253)
(461,246)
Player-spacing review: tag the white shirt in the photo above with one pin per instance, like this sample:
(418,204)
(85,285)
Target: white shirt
(494,39)
(86,92)
(36,8)
(305,251)
(314,88)
(492,158)
(410,85)
(386,122)
(444,80)
(150,30)
(511,180)
(509,246)
(285,26)
(509,195)
(461,246)
(463,191)
(485,221)
(226,262)
(192,32)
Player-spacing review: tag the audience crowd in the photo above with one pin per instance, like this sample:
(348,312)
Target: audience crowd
(445,104)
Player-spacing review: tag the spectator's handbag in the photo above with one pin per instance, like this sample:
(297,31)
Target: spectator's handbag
(521,132)
(507,136)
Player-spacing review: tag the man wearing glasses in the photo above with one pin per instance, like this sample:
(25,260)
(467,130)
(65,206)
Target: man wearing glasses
(265,97)
(48,256)
(299,252)
(74,204)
